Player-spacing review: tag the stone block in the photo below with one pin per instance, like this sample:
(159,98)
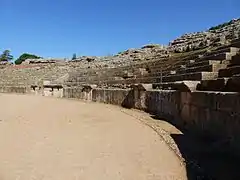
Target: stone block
(206,68)
(203,99)
(235,61)
(226,101)
(58,93)
(232,50)
(235,43)
(178,85)
(191,61)
(220,56)
(213,85)
(48,92)
(197,76)
(233,84)
(46,83)
(142,87)
(203,63)
(230,71)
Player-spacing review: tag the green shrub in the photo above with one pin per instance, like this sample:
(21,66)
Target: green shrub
(25,56)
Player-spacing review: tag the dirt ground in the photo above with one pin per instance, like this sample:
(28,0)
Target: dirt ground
(58,139)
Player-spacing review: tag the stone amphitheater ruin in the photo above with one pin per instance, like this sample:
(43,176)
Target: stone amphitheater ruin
(187,92)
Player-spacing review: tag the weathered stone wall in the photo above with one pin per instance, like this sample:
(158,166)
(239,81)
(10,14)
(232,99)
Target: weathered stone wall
(110,96)
(165,103)
(77,93)
(121,97)
(213,114)
(13,89)
(207,113)
(52,92)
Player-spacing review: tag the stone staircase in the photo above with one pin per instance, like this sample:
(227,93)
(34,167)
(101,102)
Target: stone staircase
(205,70)
(228,79)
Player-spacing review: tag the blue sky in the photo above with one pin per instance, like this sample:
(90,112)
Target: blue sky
(59,28)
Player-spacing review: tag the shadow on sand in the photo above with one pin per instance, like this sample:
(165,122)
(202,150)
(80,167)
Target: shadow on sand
(206,158)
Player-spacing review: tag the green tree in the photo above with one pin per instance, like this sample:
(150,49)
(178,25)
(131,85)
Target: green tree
(6,56)
(25,56)
(74,56)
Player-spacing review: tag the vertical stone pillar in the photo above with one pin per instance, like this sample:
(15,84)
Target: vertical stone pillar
(139,95)
(87,92)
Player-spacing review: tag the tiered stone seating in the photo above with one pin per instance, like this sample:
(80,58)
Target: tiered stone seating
(228,78)
(196,76)
(31,75)
(156,72)
(203,70)
(197,70)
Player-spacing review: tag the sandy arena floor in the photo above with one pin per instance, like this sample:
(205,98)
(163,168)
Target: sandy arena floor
(58,139)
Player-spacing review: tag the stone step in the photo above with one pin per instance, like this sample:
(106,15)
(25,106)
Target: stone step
(224,50)
(130,81)
(157,68)
(235,50)
(235,61)
(220,57)
(197,76)
(230,71)
(192,63)
(236,43)
(213,85)
(206,68)
(177,85)
(233,84)
(164,73)
(168,66)
(178,64)
(214,66)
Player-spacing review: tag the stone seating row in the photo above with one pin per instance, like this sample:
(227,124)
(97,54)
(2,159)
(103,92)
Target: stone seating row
(227,80)
(219,64)
(195,75)
(227,54)
(31,75)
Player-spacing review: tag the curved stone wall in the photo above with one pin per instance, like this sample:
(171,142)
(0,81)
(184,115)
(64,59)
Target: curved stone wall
(213,114)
